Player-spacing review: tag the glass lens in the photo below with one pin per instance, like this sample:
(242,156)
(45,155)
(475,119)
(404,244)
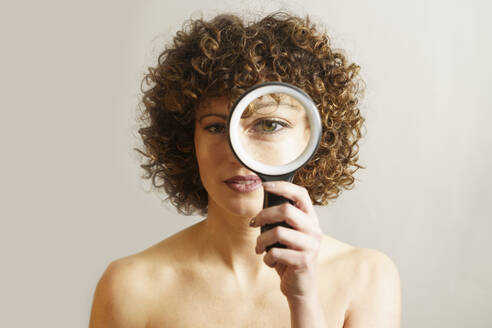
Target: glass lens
(274,129)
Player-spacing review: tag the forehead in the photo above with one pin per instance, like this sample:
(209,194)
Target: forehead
(214,105)
(278,104)
(277,98)
(277,101)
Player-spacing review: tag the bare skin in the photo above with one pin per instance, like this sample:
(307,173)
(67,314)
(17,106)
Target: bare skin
(209,275)
(168,285)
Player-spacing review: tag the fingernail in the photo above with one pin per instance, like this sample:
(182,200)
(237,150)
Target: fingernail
(252,222)
(269,184)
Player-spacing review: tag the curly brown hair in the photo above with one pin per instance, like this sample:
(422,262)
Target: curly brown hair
(225,56)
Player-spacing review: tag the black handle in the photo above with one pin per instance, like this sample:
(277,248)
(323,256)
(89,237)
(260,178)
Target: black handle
(269,200)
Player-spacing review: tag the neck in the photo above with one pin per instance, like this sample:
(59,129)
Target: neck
(230,242)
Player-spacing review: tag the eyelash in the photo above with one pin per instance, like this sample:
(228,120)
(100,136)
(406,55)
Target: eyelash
(279,122)
(219,125)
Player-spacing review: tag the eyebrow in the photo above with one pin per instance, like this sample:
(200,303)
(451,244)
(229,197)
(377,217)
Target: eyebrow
(279,104)
(225,117)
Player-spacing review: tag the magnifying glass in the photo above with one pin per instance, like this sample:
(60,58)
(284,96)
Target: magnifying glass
(274,129)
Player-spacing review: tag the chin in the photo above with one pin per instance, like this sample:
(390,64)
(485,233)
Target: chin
(242,205)
(248,209)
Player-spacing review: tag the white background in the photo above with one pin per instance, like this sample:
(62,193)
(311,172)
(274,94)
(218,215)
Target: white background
(71,195)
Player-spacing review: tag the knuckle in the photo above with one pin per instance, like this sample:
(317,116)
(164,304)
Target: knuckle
(278,232)
(304,262)
(285,209)
(306,193)
(299,188)
(265,259)
(290,221)
(268,259)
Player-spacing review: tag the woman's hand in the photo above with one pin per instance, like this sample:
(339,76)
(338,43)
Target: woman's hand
(296,264)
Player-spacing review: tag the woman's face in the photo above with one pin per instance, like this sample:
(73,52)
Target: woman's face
(243,195)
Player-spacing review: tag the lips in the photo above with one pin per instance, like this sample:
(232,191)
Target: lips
(243,179)
(243,183)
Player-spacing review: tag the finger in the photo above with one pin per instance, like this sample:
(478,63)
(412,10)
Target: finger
(291,238)
(296,259)
(299,195)
(287,212)
(280,268)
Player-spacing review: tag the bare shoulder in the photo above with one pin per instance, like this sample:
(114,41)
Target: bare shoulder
(363,282)
(375,293)
(373,264)
(119,284)
(130,285)
(364,263)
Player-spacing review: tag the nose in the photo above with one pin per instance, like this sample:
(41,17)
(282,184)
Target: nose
(230,157)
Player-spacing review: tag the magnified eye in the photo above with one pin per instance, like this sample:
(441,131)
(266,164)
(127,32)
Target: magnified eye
(269,126)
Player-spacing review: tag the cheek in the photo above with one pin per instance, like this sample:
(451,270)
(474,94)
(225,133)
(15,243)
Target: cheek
(207,155)
(207,161)
(208,148)
(198,150)
(204,154)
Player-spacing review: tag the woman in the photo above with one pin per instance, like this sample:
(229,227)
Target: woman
(216,273)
